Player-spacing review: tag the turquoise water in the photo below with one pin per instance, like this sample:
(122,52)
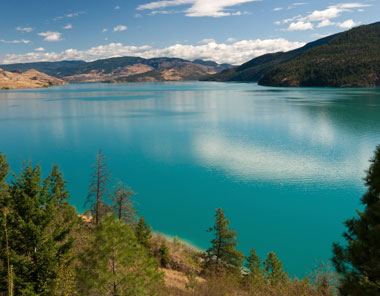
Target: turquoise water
(286,165)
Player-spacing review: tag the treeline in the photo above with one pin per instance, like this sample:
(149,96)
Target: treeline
(48,249)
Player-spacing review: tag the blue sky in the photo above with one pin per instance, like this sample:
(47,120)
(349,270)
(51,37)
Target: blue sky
(232,31)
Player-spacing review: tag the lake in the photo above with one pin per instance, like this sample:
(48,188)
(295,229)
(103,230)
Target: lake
(286,164)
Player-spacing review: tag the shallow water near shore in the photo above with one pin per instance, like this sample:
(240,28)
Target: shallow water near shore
(286,164)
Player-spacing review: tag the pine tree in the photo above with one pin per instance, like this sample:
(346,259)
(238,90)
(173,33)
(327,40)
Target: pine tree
(358,262)
(39,224)
(163,253)
(223,255)
(98,190)
(113,263)
(254,267)
(143,233)
(274,273)
(122,205)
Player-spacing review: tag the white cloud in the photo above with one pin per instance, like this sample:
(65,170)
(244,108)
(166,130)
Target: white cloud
(200,8)
(68,27)
(120,28)
(24,29)
(235,53)
(51,36)
(207,41)
(324,17)
(231,39)
(117,7)
(15,41)
(39,49)
(348,24)
(325,23)
(138,15)
(104,30)
(69,15)
(300,26)
(278,9)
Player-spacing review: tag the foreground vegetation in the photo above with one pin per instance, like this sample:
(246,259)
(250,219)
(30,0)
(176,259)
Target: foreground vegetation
(48,249)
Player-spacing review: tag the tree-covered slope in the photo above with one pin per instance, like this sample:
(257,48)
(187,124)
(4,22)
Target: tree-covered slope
(254,69)
(351,59)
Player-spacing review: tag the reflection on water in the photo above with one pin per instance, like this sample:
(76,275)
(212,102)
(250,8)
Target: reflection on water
(286,164)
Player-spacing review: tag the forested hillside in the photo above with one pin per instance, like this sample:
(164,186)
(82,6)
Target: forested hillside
(352,59)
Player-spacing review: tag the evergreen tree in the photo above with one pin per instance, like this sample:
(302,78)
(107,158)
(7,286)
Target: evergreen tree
(122,205)
(113,263)
(98,190)
(5,262)
(254,267)
(274,273)
(143,233)
(163,253)
(4,171)
(39,224)
(223,255)
(358,262)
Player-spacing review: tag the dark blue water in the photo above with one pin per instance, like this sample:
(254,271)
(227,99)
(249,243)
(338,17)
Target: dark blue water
(286,165)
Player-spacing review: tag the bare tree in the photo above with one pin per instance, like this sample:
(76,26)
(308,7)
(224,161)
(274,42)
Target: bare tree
(122,204)
(98,190)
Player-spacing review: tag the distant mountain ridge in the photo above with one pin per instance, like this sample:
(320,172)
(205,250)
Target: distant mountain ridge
(348,59)
(121,69)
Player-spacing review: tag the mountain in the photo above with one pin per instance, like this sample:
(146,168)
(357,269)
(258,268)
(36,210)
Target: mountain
(28,79)
(254,69)
(118,69)
(177,73)
(351,59)
(50,68)
(348,59)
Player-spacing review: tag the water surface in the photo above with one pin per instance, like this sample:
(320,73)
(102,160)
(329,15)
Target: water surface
(286,164)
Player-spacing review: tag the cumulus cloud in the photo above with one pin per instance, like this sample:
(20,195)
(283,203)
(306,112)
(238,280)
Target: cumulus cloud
(200,8)
(24,29)
(15,41)
(117,7)
(348,24)
(300,26)
(120,28)
(39,49)
(68,27)
(51,36)
(278,9)
(207,41)
(324,17)
(235,53)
